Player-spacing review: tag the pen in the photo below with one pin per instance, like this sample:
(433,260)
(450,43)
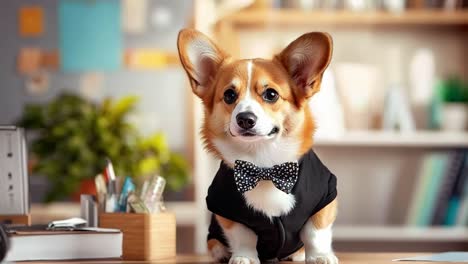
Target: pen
(109,171)
(111,198)
(127,188)
(101,190)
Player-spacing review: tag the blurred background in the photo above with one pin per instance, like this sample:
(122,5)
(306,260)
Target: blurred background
(90,79)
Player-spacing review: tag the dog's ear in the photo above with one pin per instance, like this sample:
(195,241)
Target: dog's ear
(200,58)
(305,59)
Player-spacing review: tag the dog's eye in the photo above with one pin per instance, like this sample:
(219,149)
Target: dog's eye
(230,96)
(270,95)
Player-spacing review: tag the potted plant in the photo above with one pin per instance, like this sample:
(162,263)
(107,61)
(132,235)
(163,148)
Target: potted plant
(454,108)
(71,137)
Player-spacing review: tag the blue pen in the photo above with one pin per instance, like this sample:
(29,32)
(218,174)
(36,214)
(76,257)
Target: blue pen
(127,188)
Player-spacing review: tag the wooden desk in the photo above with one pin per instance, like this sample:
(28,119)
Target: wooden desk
(345,258)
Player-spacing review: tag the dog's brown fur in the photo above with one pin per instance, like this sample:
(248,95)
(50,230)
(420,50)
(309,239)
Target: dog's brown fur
(295,83)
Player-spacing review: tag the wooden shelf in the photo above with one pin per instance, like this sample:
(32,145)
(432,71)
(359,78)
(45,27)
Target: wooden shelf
(427,139)
(186,212)
(400,233)
(44,213)
(292,17)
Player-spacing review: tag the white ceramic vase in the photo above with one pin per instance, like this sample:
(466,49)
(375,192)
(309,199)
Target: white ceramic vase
(395,6)
(454,116)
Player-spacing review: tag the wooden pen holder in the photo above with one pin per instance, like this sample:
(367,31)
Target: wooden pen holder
(145,236)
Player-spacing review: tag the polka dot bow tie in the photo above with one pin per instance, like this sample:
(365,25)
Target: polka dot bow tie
(283,176)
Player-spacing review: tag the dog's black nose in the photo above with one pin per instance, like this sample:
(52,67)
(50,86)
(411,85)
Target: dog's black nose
(246,120)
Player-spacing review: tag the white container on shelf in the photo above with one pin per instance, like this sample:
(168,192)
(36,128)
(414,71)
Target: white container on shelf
(350,79)
(359,5)
(327,109)
(395,6)
(454,116)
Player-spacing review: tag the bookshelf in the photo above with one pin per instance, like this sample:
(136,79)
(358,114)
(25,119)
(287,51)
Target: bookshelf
(400,233)
(425,139)
(293,17)
(229,27)
(377,170)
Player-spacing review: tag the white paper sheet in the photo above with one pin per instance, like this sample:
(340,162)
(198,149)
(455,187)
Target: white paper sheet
(441,257)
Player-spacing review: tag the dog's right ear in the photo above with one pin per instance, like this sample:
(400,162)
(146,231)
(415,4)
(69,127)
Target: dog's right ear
(200,58)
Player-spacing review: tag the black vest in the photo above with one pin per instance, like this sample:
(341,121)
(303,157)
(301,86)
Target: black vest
(280,236)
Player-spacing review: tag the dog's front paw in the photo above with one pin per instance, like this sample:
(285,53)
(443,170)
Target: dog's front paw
(219,253)
(322,259)
(244,260)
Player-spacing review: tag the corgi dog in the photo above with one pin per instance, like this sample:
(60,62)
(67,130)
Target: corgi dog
(272,198)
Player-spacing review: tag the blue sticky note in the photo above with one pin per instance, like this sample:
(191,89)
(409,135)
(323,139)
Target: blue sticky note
(90,35)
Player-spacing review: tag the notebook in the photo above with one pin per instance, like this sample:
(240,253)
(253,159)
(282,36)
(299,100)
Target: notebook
(29,244)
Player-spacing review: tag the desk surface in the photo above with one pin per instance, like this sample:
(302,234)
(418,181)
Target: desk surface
(345,258)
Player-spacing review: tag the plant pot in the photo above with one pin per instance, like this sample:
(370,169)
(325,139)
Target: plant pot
(454,116)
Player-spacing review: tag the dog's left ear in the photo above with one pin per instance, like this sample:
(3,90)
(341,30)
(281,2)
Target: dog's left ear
(305,59)
(201,59)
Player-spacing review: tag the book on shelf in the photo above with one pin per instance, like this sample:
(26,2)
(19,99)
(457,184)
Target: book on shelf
(440,196)
(37,243)
(462,191)
(421,182)
(444,201)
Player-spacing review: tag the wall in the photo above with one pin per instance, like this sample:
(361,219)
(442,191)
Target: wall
(154,87)
(163,93)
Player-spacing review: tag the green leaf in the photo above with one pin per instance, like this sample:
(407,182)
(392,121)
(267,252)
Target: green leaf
(72,136)
(123,107)
(33,117)
(454,90)
(149,165)
(176,172)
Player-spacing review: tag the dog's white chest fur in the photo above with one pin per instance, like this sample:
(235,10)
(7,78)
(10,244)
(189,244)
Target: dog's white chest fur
(265,197)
